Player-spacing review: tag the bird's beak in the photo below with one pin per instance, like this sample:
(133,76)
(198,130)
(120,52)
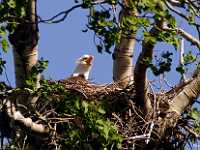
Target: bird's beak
(89,60)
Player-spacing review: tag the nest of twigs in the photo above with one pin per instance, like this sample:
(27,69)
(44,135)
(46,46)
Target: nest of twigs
(132,125)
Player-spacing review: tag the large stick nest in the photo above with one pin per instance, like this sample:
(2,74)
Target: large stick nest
(121,110)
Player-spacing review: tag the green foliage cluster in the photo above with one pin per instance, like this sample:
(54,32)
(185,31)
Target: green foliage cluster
(12,11)
(195,115)
(89,129)
(162,65)
(188,58)
(92,130)
(35,71)
(104,27)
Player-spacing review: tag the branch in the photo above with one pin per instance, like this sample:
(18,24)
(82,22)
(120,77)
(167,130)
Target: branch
(27,122)
(185,35)
(181,60)
(140,79)
(192,132)
(188,37)
(66,13)
(186,97)
(181,14)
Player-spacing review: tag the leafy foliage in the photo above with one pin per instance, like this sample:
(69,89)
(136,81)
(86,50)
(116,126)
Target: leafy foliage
(104,27)
(92,129)
(162,65)
(39,68)
(89,129)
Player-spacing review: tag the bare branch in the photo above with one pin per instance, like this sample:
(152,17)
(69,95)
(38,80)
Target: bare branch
(185,35)
(64,13)
(192,132)
(181,14)
(188,37)
(27,122)
(181,60)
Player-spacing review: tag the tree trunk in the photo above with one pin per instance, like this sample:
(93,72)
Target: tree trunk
(24,40)
(123,55)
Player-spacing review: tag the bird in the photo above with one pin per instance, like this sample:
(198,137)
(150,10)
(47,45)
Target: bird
(83,67)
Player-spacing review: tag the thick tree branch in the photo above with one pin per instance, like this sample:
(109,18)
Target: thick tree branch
(27,122)
(140,79)
(187,96)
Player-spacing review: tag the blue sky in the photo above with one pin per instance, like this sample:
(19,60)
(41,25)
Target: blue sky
(64,42)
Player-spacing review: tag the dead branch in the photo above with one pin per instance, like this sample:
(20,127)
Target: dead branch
(65,13)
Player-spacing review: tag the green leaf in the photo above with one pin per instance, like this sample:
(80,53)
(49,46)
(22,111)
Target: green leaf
(4,45)
(11,3)
(180,69)
(2,31)
(189,58)
(195,114)
(85,106)
(101,110)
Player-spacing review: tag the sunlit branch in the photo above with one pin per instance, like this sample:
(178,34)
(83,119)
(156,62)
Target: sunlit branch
(181,59)
(27,122)
(185,35)
(188,37)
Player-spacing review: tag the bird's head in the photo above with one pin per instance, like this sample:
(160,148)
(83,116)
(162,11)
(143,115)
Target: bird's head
(83,66)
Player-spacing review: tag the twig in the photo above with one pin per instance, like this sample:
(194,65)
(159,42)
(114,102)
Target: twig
(132,106)
(23,147)
(192,132)
(181,60)
(65,13)
(150,132)
(138,137)
(120,121)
